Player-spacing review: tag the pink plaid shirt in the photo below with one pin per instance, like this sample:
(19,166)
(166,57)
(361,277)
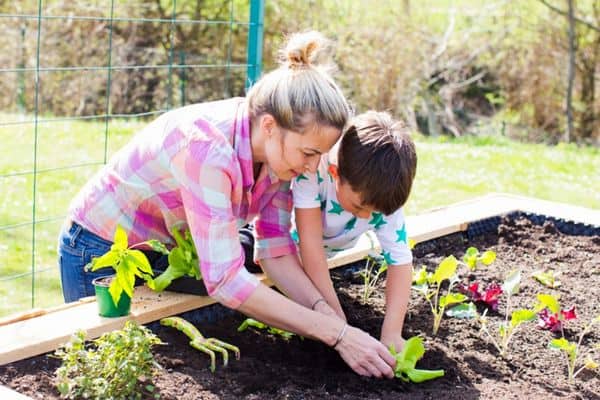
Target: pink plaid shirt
(192,168)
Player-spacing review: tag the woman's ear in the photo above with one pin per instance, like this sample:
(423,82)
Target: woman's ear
(267,124)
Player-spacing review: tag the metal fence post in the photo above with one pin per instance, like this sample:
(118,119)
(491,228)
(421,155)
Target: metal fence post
(255,41)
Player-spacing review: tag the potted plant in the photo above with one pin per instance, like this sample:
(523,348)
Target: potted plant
(114,292)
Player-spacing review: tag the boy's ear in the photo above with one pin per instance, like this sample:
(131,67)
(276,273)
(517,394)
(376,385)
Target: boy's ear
(333,170)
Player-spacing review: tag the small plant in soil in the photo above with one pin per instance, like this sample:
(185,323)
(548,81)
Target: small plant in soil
(406,360)
(199,342)
(551,313)
(573,354)
(507,328)
(489,296)
(374,268)
(250,322)
(430,285)
(548,278)
(127,263)
(183,261)
(473,259)
(116,365)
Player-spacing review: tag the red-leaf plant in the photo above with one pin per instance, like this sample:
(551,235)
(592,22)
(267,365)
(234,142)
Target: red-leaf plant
(489,296)
(551,314)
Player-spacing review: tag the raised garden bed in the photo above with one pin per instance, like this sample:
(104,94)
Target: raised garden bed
(273,368)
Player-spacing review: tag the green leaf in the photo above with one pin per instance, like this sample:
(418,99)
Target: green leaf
(511,283)
(463,311)
(452,298)
(157,246)
(407,359)
(115,290)
(547,278)
(139,261)
(563,344)
(520,316)
(109,259)
(445,270)
(422,375)
(125,277)
(422,289)
(420,277)
(470,257)
(488,257)
(549,301)
(120,239)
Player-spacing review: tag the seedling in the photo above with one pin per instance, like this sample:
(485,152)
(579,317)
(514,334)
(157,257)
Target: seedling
(127,263)
(371,276)
(551,314)
(548,278)
(489,296)
(507,329)
(199,342)
(473,259)
(183,260)
(112,367)
(406,360)
(430,284)
(259,325)
(572,352)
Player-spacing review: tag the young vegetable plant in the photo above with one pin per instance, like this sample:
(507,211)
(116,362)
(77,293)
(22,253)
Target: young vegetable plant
(474,259)
(507,329)
(547,278)
(489,296)
(371,276)
(551,314)
(572,351)
(127,263)
(183,260)
(113,367)
(430,285)
(406,360)
(262,326)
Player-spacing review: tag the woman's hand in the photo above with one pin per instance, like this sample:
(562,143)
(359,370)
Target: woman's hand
(365,355)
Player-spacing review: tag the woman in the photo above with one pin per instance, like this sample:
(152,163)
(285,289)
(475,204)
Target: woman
(213,167)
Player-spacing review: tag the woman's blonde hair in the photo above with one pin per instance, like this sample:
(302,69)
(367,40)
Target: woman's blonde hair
(301,92)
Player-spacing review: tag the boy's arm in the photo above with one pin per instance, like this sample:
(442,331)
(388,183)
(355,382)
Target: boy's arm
(314,259)
(397,294)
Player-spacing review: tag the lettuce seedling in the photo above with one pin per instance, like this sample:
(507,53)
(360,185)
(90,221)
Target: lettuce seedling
(430,284)
(547,278)
(572,351)
(489,296)
(507,329)
(473,258)
(406,360)
(371,276)
(127,263)
(259,325)
(551,314)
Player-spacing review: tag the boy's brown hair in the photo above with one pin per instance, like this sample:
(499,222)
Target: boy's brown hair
(377,158)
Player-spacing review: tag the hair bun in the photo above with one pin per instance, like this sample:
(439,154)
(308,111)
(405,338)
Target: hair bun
(305,49)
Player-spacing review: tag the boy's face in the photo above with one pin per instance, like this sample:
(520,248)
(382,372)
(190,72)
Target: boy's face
(350,200)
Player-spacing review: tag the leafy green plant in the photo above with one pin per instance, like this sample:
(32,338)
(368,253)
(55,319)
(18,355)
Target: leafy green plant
(115,366)
(250,322)
(474,259)
(507,329)
(127,263)
(371,275)
(572,351)
(551,313)
(547,278)
(430,284)
(406,360)
(183,261)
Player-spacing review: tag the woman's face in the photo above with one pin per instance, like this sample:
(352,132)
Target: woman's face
(290,153)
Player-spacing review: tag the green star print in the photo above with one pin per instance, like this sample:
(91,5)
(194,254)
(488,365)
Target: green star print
(319,179)
(336,208)
(350,224)
(402,234)
(294,235)
(318,198)
(301,177)
(377,220)
(388,258)
(323,204)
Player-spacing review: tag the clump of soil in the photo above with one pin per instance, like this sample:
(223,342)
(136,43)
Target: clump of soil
(274,368)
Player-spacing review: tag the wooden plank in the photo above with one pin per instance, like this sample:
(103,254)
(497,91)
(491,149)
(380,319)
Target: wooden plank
(44,333)
(9,394)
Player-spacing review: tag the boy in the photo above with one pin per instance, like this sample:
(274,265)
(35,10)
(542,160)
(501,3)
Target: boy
(360,185)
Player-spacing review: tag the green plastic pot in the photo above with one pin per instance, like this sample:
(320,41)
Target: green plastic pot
(106,306)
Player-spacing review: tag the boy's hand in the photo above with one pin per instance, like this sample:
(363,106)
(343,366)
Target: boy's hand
(396,340)
(324,308)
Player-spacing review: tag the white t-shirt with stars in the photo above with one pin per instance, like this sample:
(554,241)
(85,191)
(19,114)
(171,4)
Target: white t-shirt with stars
(342,229)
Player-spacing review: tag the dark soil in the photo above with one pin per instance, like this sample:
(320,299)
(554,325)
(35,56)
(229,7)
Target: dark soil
(273,368)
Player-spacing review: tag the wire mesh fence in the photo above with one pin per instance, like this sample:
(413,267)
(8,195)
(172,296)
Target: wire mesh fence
(78,79)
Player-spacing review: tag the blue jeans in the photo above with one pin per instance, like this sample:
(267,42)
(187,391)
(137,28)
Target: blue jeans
(76,248)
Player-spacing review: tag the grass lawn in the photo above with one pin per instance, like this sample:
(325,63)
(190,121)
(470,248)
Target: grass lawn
(67,153)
